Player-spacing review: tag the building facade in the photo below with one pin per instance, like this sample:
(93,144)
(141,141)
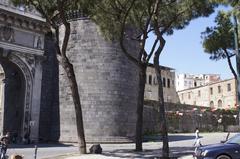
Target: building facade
(185,81)
(22,34)
(168,79)
(220,95)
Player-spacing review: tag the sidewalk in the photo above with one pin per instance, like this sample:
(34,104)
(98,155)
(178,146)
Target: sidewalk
(131,154)
(111,157)
(181,145)
(151,151)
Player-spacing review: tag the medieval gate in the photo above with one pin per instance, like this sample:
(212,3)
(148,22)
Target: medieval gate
(21,54)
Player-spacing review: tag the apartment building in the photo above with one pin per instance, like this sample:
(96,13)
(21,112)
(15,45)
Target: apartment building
(186,81)
(221,94)
(168,79)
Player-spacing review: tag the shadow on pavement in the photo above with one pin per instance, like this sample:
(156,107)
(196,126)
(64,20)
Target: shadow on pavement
(149,154)
(171,138)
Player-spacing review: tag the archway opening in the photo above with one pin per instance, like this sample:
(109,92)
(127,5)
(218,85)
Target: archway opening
(219,103)
(12,99)
(212,104)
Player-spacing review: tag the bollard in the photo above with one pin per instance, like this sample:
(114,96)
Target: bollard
(35,152)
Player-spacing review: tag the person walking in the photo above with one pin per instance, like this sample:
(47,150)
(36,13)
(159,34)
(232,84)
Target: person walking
(197,142)
(4,145)
(196,133)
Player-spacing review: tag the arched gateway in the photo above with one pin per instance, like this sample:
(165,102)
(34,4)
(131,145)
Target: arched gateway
(21,54)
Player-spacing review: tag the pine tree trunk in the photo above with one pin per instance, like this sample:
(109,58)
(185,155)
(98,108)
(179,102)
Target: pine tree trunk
(161,107)
(68,67)
(139,124)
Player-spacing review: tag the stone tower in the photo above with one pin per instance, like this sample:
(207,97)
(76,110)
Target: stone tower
(108,86)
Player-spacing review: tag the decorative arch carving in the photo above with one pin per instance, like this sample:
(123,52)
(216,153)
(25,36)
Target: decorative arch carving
(28,77)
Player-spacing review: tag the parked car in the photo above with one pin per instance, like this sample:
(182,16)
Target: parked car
(227,150)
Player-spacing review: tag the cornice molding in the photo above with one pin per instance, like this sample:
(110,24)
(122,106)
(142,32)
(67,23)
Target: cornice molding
(21,49)
(21,20)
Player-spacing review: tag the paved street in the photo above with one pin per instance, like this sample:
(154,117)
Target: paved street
(180,144)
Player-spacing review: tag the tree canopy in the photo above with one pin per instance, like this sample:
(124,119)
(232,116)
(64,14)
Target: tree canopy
(218,41)
(50,9)
(171,14)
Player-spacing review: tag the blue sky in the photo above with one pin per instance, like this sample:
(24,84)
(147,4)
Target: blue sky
(183,51)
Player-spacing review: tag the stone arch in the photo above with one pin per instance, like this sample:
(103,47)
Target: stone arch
(24,67)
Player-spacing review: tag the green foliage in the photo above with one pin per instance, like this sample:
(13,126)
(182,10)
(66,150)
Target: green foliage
(219,40)
(235,4)
(50,9)
(111,15)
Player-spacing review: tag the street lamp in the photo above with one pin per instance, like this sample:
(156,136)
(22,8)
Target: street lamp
(237,61)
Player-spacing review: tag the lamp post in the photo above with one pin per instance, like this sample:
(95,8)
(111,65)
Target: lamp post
(237,62)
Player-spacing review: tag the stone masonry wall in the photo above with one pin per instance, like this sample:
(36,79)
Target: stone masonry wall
(108,86)
(185,118)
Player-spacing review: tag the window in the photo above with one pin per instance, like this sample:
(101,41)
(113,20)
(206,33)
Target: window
(150,79)
(229,87)
(185,83)
(189,95)
(164,82)
(168,83)
(211,90)
(219,89)
(195,84)
(219,103)
(199,93)
(155,81)
(211,104)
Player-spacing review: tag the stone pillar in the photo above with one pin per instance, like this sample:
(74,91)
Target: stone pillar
(36,99)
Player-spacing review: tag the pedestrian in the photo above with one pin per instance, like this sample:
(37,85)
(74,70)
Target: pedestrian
(4,145)
(197,142)
(196,133)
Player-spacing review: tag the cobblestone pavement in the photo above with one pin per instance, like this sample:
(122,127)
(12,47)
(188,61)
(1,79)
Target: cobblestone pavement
(180,145)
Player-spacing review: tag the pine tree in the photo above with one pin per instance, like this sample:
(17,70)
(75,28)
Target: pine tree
(161,18)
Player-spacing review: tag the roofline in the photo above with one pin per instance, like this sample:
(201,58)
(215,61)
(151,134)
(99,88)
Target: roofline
(205,85)
(198,74)
(162,67)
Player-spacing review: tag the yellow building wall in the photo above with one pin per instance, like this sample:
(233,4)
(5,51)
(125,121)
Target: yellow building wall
(220,92)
